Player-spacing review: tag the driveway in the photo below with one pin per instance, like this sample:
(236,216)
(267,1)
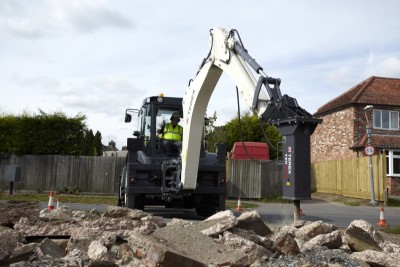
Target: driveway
(335,213)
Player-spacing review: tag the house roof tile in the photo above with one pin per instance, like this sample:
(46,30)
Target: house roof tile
(379,141)
(372,91)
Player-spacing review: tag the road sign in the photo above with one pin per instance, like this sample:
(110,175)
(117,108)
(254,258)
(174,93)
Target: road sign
(369,150)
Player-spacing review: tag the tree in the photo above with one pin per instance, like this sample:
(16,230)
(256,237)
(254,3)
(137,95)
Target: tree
(87,143)
(215,137)
(44,133)
(97,145)
(210,123)
(213,134)
(91,144)
(249,130)
(7,132)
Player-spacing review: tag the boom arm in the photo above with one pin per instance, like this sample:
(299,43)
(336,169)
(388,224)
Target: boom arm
(227,54)
(196,98)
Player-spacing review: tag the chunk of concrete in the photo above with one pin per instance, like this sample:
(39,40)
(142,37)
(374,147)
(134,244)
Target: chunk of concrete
(252,221)
(286,244)
(217,224)
(317,228)
(173,243)
(49,248)
(8,241)
(359,238)
(118,212)
(97,251)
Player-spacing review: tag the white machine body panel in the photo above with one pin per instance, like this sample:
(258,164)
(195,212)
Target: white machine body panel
(222,58)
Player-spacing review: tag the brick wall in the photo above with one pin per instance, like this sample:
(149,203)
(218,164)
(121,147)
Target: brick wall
(333,138)
(339,130)
(393,184)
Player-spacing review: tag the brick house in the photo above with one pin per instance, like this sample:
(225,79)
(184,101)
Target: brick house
(343,132)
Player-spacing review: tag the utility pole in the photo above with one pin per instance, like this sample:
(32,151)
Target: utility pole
(369,150)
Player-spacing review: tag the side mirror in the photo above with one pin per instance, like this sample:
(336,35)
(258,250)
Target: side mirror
(128,117)
(206,121)
(136,133)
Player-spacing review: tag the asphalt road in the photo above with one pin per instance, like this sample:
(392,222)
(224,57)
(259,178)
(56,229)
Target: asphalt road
(282,214)
(330,212)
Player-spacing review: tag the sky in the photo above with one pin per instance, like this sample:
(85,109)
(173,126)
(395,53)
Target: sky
(99,57)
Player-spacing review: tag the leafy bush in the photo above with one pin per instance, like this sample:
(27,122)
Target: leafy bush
(71,190)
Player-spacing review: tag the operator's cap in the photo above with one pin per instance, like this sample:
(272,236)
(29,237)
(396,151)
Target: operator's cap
(175,115)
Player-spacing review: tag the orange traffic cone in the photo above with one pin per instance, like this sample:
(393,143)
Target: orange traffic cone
(382,221)
(58,203)
(51,201)
(239,204)
(302,213)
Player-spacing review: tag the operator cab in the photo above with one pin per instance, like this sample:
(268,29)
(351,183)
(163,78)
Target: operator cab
(156,111)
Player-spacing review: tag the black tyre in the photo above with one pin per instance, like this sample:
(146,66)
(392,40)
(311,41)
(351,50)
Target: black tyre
(221,203)
(135,201)
(206,205)
(121,188)
(188,202)
(130,202)
(169,205)
(120,201)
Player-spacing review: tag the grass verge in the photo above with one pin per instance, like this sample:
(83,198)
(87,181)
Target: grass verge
(232,204)
(91,199)
(88,199)
(391,229)
(393,202)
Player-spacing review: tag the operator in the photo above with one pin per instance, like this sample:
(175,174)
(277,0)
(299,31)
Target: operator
(171,134)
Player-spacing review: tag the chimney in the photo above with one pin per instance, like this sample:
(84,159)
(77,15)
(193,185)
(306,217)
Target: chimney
(112,144)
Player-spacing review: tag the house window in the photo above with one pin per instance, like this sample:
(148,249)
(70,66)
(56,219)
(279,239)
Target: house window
(386,119)
(393,162)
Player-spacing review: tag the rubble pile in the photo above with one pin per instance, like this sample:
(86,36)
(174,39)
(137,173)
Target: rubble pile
(124,237)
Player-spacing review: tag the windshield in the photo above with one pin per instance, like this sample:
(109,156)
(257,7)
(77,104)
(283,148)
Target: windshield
(145,123)
(164,116)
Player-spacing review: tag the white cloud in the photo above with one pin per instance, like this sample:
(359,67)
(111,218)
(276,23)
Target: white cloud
(342,77)
(39,82)
(371,57)
(21,28)
(105,96)
(86,16)
(101,56)
(46,18)
(388,67)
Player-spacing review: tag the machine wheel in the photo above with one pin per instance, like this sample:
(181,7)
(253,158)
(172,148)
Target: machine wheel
(221,202)
(188,202)
(206,205)
(135,201)
(121,188)
(169,205)
(120,200)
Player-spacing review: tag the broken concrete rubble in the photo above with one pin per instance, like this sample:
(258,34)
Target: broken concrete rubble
(252,221)
(9,240)
(124,237)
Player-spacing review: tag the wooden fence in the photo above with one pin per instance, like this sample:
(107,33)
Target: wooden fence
(55,172)
(245,178)
(100,175)
(250,179)
(350,177)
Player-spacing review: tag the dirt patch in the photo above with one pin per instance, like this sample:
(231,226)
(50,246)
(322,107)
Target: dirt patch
(341,199)
(12,211)
(395,239)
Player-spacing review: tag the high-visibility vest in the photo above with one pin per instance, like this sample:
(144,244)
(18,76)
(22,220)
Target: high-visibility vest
(173,134)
